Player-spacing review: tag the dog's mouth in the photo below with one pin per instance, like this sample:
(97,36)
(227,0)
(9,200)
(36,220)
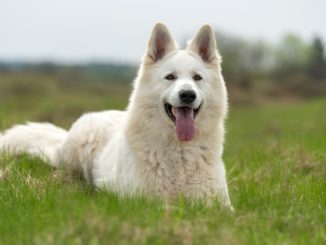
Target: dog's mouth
(183,118)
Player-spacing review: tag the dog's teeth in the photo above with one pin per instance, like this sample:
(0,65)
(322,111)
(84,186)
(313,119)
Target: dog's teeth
(174,110)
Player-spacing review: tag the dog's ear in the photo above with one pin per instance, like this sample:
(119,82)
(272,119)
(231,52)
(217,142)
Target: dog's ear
(204,44)
(160,43)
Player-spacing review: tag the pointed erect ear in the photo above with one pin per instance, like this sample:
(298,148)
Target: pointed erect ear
(160,43)
(204,44)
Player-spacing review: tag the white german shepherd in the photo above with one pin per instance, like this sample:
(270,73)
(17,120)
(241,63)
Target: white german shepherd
(168,142)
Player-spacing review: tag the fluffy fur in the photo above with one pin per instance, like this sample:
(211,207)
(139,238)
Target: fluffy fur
(138,150)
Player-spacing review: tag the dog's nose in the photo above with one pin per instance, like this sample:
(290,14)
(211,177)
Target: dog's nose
(187,96)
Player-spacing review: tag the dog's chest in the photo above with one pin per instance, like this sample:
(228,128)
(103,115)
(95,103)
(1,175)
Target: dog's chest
(179,170)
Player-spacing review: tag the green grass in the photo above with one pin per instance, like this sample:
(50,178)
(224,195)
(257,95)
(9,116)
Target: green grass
(275,157)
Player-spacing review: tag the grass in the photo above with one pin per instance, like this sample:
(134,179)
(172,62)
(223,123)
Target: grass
(275,157)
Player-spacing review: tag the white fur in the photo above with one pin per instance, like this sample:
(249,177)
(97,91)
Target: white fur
(39,139)
(137,151)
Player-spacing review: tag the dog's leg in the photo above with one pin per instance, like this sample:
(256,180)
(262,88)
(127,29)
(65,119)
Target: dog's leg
(223,192)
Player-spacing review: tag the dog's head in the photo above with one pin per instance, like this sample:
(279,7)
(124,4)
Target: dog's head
(186,86)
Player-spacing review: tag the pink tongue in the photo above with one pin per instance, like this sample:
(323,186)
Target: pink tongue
(185,123)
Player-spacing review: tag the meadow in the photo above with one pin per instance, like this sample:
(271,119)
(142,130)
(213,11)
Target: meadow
(275,155)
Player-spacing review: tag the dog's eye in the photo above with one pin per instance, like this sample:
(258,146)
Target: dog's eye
(197,77)
(171,77)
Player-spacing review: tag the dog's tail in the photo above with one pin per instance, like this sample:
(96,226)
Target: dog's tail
(38,139)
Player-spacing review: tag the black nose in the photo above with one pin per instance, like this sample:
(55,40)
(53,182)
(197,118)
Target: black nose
(187,96)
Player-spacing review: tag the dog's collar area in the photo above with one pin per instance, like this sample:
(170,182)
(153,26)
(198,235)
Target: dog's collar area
(169,111)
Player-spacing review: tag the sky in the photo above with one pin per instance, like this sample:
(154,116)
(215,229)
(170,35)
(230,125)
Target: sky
(76,31)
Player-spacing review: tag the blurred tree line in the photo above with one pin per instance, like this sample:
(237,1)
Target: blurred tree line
(289,68)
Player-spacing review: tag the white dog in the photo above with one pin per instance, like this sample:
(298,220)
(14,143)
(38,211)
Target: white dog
(168,142)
